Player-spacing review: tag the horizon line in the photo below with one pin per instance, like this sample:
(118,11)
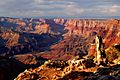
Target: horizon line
(54,17)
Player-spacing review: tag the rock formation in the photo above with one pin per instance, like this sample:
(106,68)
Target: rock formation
(72,69)
(100,51)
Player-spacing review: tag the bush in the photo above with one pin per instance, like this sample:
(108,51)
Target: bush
(112,53)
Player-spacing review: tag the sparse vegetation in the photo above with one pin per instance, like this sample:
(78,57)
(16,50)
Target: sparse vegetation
(112,53)
(57,64)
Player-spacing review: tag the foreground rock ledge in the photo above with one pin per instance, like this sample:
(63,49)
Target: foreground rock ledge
(73,69)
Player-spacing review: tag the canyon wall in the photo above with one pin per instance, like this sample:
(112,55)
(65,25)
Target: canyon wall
(15,32)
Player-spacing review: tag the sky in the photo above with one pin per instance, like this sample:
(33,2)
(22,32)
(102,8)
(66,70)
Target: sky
(59,8)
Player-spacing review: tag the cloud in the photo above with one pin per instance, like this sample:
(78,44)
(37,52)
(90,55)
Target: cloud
(73,10)
(105,10)
(110,9)
(57,8)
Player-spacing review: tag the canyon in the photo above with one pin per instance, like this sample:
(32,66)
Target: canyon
(33,41)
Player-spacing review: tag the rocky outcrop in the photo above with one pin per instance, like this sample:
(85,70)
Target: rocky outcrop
(100,51)
(11,38)
(77,68)
(42,28)
(28,75)
(106,73)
